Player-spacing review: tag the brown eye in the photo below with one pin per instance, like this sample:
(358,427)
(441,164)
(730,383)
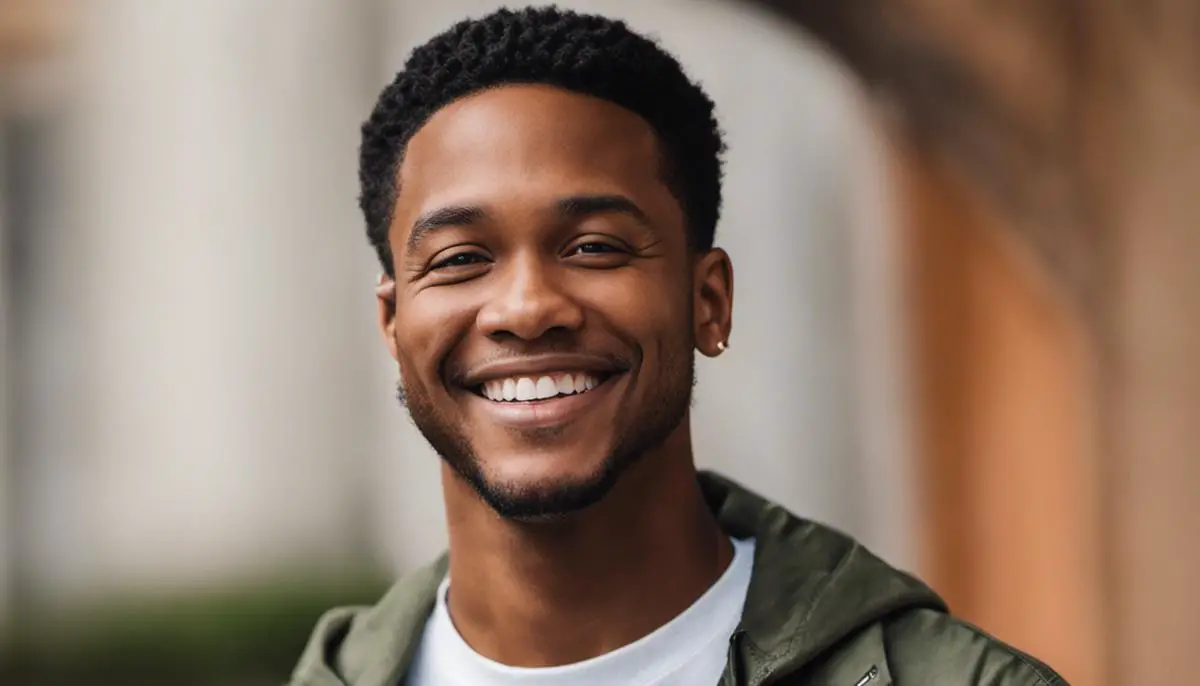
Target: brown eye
(594,249)
(462,259)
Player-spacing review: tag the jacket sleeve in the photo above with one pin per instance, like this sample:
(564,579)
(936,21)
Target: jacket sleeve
(928,648)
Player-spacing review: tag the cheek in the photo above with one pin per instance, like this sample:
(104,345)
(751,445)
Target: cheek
(427,328)
(646,305)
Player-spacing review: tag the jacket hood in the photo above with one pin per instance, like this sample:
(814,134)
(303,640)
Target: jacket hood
(812,588)
(372,646)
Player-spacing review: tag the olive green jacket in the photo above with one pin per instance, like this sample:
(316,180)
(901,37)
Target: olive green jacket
(821,611)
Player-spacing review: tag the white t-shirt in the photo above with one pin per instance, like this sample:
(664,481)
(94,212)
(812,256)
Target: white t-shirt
(690,650)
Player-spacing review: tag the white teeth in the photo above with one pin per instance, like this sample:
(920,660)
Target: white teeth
(546,388)
(565,385)
(528,388)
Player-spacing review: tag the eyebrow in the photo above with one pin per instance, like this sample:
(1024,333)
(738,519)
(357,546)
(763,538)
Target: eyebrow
(579,206)
(441,218)
(573,207)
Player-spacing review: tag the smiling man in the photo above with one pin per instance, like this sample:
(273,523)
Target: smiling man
(542,189)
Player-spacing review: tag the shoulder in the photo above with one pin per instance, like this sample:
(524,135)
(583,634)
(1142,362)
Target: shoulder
(376,644)
(930,647)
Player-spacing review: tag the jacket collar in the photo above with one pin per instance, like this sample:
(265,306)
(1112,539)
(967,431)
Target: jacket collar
(812,587)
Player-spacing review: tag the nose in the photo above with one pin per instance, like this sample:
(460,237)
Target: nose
(529,302)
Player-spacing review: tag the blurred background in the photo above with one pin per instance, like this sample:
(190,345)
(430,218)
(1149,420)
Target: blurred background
(966,325)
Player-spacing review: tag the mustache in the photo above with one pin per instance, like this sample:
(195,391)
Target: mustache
(455,373)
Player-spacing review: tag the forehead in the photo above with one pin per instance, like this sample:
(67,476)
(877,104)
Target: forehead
(529,144)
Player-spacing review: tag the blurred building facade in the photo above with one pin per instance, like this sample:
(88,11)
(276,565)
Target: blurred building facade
(188,371)
(1049,149)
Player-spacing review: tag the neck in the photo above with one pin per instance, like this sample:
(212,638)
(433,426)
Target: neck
(553,593)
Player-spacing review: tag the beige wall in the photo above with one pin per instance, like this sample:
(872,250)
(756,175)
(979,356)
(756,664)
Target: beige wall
(197,352)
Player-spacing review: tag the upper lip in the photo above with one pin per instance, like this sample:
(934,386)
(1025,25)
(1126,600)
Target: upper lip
(538,364)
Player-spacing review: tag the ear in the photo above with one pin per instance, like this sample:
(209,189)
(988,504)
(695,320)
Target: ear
(385,296)
(712,296)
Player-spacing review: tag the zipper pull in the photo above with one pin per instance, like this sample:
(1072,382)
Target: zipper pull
(870,676)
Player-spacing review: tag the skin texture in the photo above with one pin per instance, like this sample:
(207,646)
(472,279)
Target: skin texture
(533,231)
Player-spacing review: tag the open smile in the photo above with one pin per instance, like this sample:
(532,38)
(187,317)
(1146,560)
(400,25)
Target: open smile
(540,387)
(542,401)
(541,391)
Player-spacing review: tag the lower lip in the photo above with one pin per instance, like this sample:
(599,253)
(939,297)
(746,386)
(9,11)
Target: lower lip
(542,414)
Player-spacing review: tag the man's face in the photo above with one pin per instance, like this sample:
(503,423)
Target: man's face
(546,304)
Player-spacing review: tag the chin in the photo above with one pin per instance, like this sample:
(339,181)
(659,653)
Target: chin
(541,491)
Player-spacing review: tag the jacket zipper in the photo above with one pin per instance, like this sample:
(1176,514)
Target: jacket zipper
(870,676)
(733,675)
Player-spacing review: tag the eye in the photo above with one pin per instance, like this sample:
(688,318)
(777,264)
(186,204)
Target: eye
(594,248)
(596,254)
(462,259)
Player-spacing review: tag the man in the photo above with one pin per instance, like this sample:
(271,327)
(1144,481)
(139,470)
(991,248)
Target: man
(542,188)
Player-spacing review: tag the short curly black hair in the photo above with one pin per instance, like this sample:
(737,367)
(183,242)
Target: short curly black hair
(582,53)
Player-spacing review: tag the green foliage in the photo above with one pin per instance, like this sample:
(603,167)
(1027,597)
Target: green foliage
(241,637)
